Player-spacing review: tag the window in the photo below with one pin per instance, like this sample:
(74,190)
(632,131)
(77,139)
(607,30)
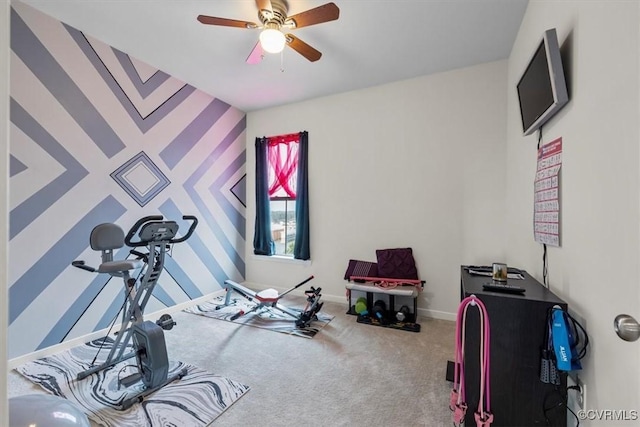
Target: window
(282,153)
(283,224)
(282,196)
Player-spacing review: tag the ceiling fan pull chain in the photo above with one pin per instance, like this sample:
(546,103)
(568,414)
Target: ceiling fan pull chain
(282,61)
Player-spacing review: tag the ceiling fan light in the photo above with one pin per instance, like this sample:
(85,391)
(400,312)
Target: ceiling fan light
(272,40)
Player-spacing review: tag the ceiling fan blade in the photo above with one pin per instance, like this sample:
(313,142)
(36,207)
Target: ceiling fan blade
(212,20)
(302,48)
(264,5)
(318,15)
(256,54)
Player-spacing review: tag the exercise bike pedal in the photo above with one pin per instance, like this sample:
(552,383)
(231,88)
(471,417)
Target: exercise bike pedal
(166,322)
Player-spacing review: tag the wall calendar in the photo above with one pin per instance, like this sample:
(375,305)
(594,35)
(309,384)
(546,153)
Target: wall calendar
(546,206)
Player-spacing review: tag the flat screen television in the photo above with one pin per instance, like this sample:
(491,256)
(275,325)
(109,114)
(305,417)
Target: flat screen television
(542,90)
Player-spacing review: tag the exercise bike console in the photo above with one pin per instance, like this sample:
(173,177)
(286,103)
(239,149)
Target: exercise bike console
(153,229)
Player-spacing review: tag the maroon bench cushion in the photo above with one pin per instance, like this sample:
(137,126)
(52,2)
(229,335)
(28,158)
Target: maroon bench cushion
(361,268)
(396,263)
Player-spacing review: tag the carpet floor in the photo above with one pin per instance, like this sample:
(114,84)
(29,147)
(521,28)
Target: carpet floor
(350,374)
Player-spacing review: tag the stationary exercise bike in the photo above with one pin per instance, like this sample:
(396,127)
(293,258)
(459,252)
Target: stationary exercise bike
(149,347)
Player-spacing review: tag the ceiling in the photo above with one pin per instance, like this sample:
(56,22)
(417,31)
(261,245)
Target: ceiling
(372,43)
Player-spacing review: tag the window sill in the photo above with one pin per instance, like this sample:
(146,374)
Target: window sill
(282,259)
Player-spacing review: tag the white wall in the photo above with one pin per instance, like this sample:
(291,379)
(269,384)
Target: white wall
(4,155)
(417,163)
(596,270)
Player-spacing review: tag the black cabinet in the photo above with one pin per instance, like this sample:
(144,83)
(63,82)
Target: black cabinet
(518,322)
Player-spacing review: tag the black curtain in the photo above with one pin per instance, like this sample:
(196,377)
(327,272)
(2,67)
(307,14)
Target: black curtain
(262,241)
(301,246)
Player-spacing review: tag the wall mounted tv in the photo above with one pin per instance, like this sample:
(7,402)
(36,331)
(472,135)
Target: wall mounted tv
(542,90)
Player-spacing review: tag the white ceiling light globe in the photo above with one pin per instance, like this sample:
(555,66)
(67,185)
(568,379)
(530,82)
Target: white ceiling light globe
(272,40)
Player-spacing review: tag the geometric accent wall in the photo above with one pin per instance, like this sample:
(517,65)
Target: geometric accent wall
(140,178)
(98,136)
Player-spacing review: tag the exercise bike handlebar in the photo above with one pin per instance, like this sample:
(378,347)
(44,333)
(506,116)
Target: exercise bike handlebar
(194,224)
(147,219)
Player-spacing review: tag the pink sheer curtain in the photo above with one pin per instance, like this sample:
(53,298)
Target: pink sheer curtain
(283,160)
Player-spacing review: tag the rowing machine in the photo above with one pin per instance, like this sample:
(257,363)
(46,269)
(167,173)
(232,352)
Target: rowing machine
(269,299)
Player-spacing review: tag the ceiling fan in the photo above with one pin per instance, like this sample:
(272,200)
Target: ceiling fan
(274,21)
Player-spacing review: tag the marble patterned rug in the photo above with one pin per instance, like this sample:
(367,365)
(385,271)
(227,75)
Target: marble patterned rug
(265,317)
(194,400)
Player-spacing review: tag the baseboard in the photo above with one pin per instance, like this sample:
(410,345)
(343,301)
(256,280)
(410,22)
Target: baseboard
(29,357)
(435,314)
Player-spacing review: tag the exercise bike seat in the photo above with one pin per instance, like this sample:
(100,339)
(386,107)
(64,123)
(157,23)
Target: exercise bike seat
(107,237)
(119,266)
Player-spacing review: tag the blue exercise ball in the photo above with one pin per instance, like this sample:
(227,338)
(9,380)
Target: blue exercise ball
(45,410)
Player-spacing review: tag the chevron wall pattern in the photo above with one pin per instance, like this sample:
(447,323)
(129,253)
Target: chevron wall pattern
(98,136)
